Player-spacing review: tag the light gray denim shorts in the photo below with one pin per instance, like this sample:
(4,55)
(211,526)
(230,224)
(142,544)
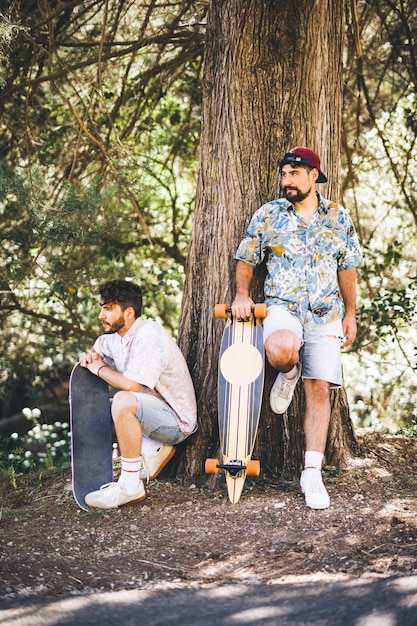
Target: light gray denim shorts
(320,352)
(157,419)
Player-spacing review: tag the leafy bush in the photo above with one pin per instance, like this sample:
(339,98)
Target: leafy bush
(44,446)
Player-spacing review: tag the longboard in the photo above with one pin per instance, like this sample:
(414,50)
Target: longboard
(240,387)
(91,434)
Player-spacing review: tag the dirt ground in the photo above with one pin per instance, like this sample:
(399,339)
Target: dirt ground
(192,534)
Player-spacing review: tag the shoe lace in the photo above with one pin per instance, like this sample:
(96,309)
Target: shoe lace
(106,486)
(145,468)
(316,486)
(116,489)
(313,483)
(285,388)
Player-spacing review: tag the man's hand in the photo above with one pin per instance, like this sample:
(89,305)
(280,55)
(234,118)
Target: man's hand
(347,283)
(242,307)
(349,329)
(91,360)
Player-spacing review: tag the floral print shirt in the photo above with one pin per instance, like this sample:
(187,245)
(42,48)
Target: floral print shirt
(149,355)
(302,259)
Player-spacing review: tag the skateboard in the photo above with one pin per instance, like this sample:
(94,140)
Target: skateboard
(91,433)
(240,387)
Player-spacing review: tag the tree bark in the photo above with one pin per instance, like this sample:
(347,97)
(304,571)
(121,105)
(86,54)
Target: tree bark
(272,80)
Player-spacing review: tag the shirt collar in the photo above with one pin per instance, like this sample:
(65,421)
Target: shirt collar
(128,337)
(323,204)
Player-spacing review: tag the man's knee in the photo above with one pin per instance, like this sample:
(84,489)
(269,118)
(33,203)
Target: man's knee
(282,348)
(123,401)
(316,390)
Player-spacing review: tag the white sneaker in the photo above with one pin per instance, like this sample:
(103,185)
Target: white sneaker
(154,460)
(283,391)
(312,486)
(112,495)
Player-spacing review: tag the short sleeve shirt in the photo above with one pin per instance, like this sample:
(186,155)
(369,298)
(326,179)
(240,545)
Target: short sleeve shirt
(303,260)
(148,355)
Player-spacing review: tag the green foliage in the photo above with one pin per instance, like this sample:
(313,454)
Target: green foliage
(380,158)
(8,34)
(410,430)
(394,308)
(97,179)
(53,256)
(43,447)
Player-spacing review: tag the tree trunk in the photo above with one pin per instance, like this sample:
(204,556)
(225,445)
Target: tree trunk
(272,80)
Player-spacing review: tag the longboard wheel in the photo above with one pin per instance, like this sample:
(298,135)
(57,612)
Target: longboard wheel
(253,468)
(212,466)
(260,310)
(220,311)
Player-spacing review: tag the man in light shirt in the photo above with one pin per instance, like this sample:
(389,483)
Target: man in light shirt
(155,407)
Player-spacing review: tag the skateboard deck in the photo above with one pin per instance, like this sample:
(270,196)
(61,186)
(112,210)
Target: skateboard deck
(91,433)
(240,387)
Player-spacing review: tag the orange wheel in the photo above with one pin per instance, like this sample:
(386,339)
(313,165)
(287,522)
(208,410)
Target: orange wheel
(253,468)
(260,310)
(220,311)
(212,466)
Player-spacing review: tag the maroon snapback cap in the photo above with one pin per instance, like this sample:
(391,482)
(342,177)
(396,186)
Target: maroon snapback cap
(304,156)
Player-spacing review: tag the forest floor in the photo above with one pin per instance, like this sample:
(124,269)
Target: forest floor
(192,535)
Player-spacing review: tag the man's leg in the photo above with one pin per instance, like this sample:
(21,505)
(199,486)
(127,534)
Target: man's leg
(129,487)
(127,425)
(316,426)
(146,427)
(282,348)
(129,439)
(317,414)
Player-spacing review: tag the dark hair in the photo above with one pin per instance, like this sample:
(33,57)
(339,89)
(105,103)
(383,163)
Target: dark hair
(121,292)
(296,166)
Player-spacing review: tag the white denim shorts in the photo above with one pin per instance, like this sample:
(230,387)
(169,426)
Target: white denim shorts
(320,351)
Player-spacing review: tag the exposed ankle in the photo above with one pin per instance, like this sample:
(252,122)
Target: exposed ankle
(292,373)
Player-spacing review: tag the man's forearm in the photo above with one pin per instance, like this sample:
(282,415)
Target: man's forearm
(117,379)
(347,284)
(242,304)
(244,274)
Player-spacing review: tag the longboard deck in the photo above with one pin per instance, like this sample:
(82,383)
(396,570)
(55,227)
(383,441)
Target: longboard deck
(91,434)
(240,387)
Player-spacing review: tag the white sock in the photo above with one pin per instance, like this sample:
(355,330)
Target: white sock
(313,459)
(292,373)
(129,476)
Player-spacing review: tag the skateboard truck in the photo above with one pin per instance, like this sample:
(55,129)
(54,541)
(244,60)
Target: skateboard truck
(234,467)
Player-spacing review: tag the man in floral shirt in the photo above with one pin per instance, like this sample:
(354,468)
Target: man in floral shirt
(311,251)
(155,407)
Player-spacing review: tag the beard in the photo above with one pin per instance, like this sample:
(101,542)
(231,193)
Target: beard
(296,194)
(110,329)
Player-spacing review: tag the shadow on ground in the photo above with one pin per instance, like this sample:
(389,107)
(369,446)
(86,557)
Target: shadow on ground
(360,602)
